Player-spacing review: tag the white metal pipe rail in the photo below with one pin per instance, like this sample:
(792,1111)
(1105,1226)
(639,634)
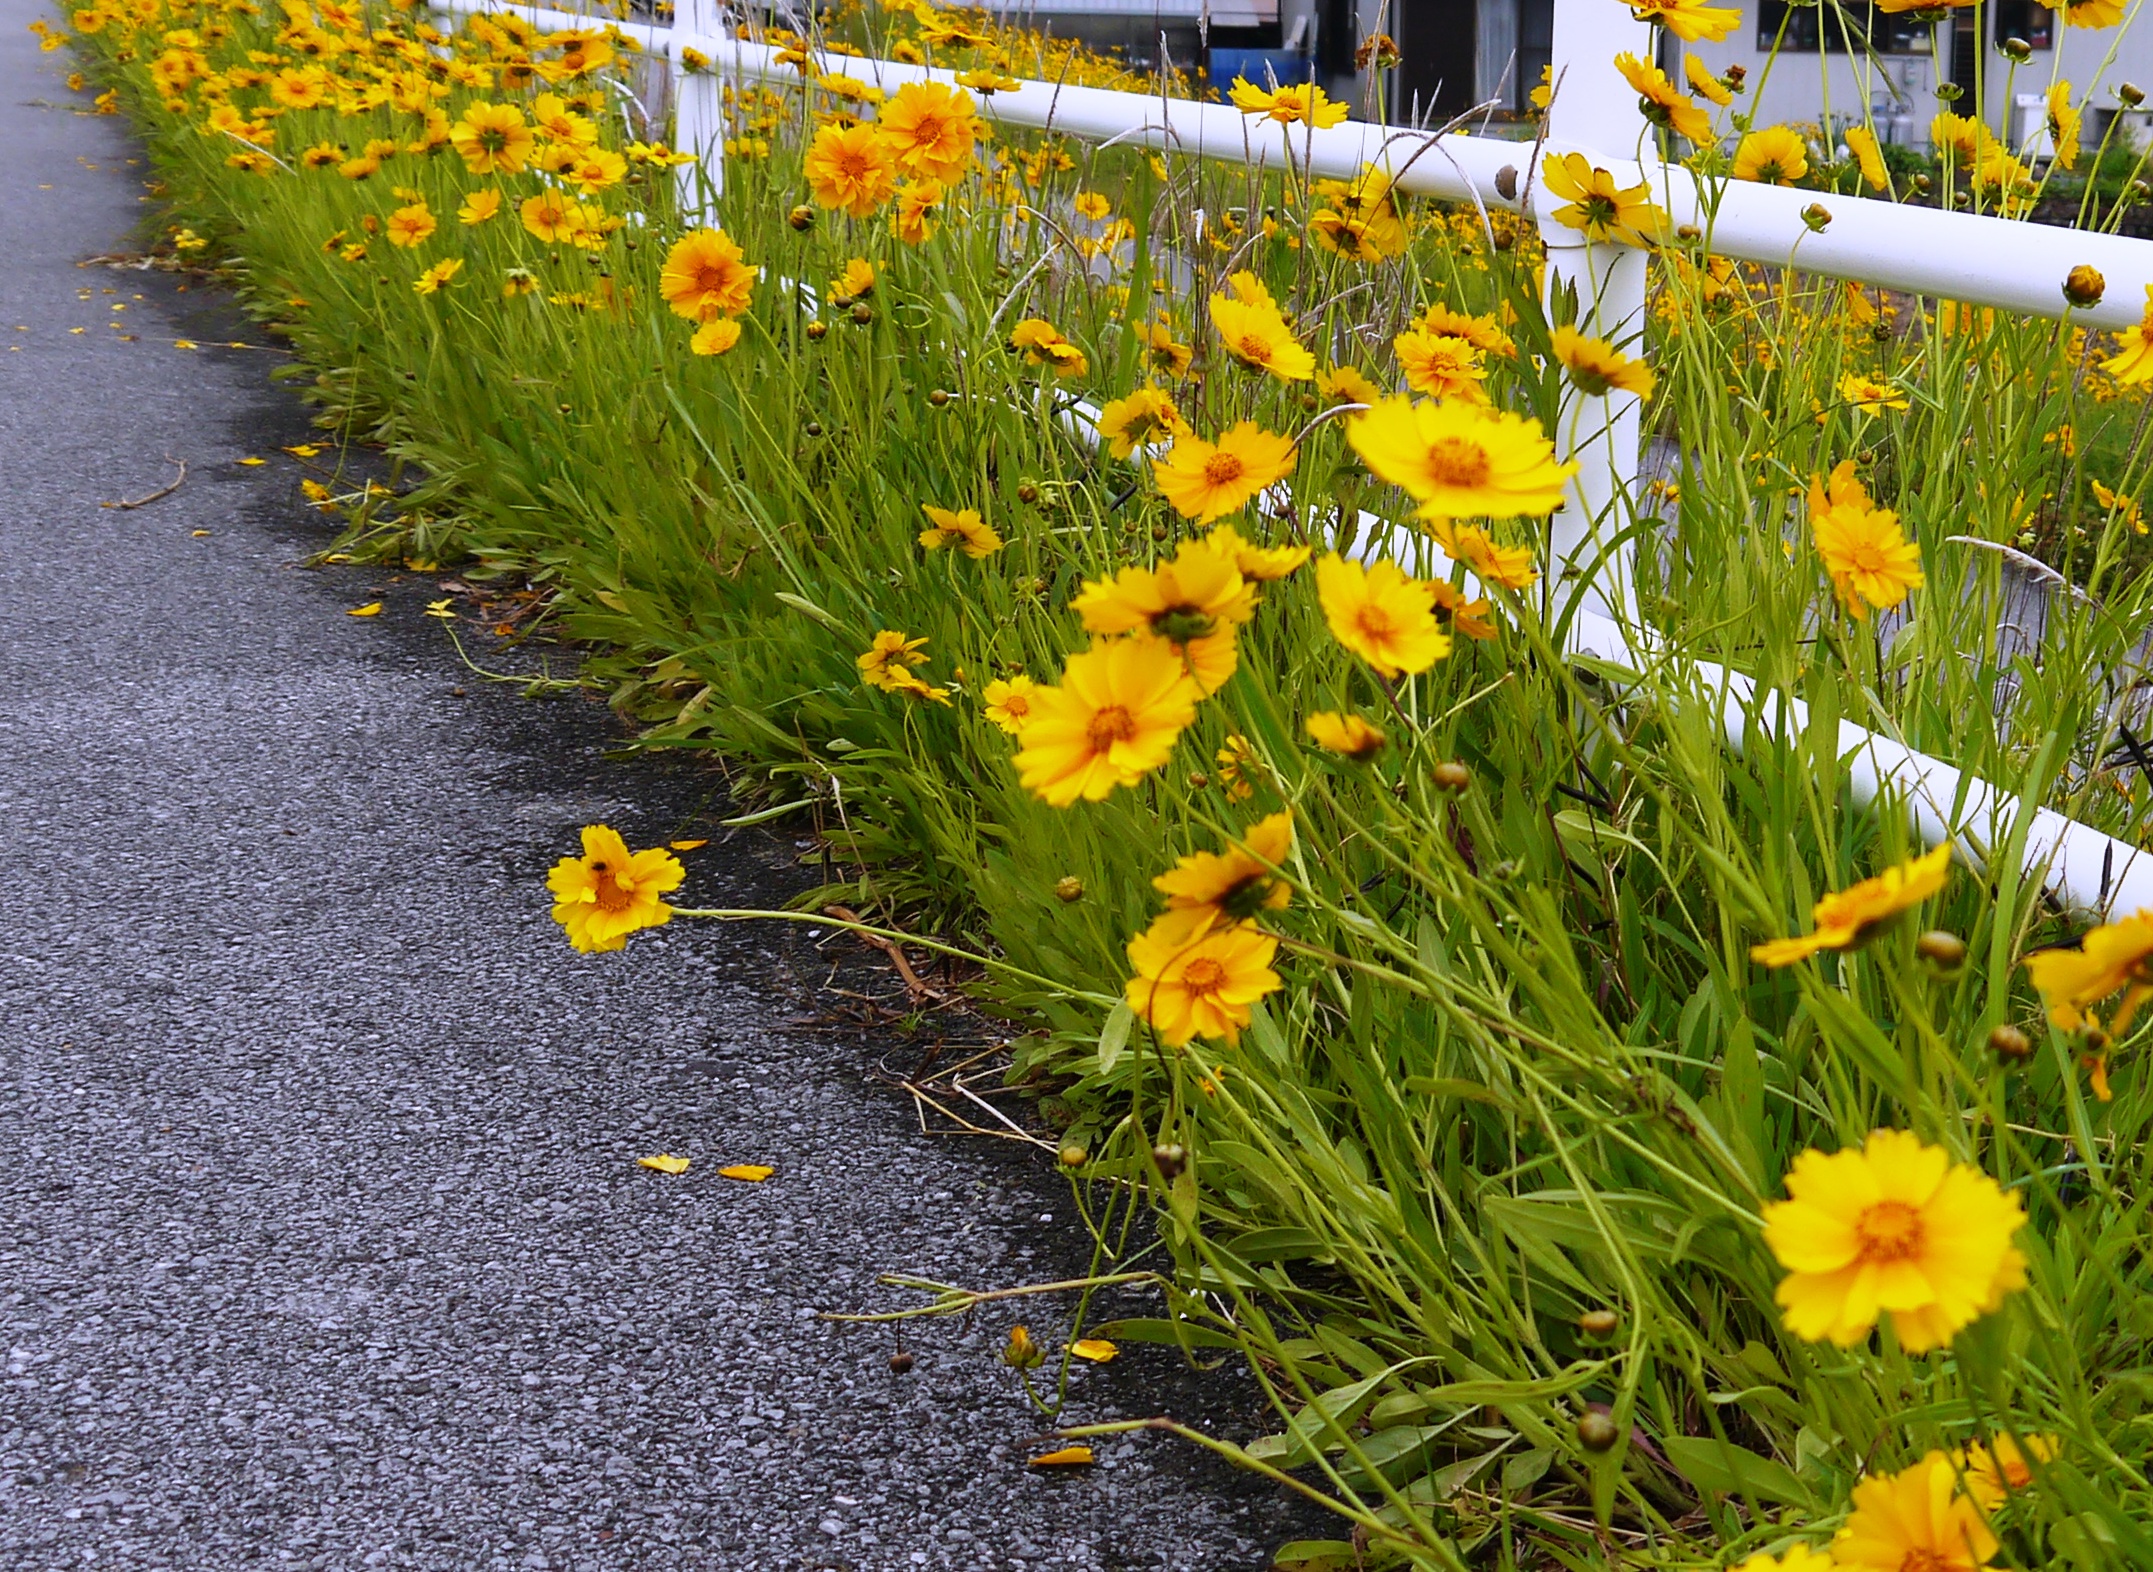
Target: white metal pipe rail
(2013,266)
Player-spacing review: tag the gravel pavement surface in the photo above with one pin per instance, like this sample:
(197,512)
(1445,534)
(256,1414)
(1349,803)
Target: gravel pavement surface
(322,1238)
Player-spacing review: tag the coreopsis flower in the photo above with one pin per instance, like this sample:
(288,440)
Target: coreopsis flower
(1346,733)
(1114,717)
(1459,461)
(593,169)
(849,88)
(912,218)
(1258,564)
(988,83)
(1850,918)
(890,653)
(1703,83)
(552,120)
(492,139)
(1206,481)
(1236,884)
(1144,418)
(1382,614)
(1441,365)
(2114,958)
(322,155)
(1596,206)
(479,207)
(518,281)
(609,892)
(1994,1471)
(436,278)
(856,282)
(706,276)
(1195,603)
(1892,1227)
(1870,561)
(1297,103)
(1235,760)
(1372,236)
(1598,368)
(930,129)
(1196,979)
(1041,343)
(1484,333)
(714,337)
(2063,121)
(1662,102)
(2092,13)
(1688,20)
(1509,567)
(1008,703)
(1164,353)
(412,226)
(1472,618)
(1255,333)
(2119,506)
(1795,1558)
(1348,385)
(1774,156)
(963,529)
(1861,142)
(1872,395)
(551,216)
(1914,1519)
(1093,205)
(851,168)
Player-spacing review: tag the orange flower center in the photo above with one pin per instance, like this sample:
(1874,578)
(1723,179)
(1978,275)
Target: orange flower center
(1891,1231)
(711,279)
(1110,725)
(927,130)
(1920,1559)
(1374,622)
(1223,469)
(1454,461)
(1255,347)
(1203,976)
(610,896)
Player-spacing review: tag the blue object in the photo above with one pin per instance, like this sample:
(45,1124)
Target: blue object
(1259,66)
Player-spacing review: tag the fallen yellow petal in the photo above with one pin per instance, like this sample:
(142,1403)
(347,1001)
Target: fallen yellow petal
(371,609)
(753,1173)
(441,608)
(687,845)
(303,450)
(198,534)
(177,343)
(251,462)
(665,1163)
(1067,1457)
(1097,1349)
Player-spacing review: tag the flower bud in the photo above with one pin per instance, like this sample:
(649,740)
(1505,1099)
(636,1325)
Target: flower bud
(1596,1431)
(1944,951)
(1198,780)
(815,331)
(2010,1045)
(1068,888)
(2130,94)
(1818,217)
(1020,1352)
(813,428)
(1450,775)
(2016,50)
(2137,191)
(1171,1159)
(1027,492)
(1073,1156)
(900,1363)
(801,218)
(2083,286)
(1948,92)
(938,397)
(862,312)
(1599,1324)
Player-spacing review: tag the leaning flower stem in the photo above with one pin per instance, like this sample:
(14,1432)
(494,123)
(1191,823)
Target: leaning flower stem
(894,936)
(952,1300)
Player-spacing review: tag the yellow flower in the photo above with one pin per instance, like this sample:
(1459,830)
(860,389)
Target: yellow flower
(2063,125)
(1914,1519)
(1254,333)
(1895,1227)
(593,169)
(963,529)
(492,139)
(1364,237)
(1348,385)
(1777,156)
(1594,205)
(479,206)
(2092,13)
(1469,617)
(518,281)
(2116,956)
(1194,602)
(411,226)
(436,278)
(1382,614)
(1092,205)
(1688,20)
(1850,918)
(1234,885)
(609,893)
(1009,703)
(1662,102)
(1598,368)
(1194,979)
(1043,345)
(1147,416)
(912,219)
(1458,461)
(2122,507)
(1795,1558)
(1870,562)
(551,216)
(930,129)
(889,655)
(706,277)
(2133,363)
(1164,353)
(1861,142)
(856,282)
(1703,83)
(1346,733)
(1440,365)
(1994,1471)
(1510,567)
(714,337)
(1235,761)
(1297,103)
(850,167)
(1116,715)
(1204,481)
(556,122)
(1484,333)
(1257,563)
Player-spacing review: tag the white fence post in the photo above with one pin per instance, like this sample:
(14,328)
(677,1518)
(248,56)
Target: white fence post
(1594,108)
(698,112)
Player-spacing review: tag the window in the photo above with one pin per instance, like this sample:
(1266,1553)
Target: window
(1862,24)
(2024,19)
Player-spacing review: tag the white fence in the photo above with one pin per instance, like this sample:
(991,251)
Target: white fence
(1980,260)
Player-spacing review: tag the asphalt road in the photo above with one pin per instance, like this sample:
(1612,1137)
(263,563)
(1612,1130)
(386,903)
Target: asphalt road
(322,1238)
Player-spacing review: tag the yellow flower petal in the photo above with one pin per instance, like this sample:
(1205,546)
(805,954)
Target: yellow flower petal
(665,1163)
(371,609)
(251,462)
(686,845)
(1066,1457)
(752,1173)
(1097,1349)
